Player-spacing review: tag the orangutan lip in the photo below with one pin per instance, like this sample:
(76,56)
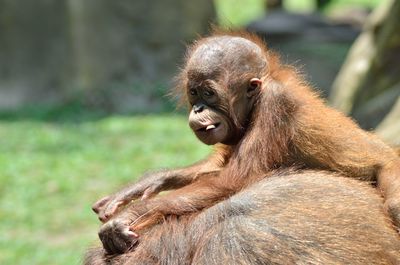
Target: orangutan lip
(208,127)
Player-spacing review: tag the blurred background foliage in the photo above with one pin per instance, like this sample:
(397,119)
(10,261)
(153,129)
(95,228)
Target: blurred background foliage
(83,109)
(238,13)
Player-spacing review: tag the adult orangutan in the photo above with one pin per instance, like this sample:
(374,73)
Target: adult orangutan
(288,217)
(261,116)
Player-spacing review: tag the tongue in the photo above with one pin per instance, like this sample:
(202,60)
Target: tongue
(210,127)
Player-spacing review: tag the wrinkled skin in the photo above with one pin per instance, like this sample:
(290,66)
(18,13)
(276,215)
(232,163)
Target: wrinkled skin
(117,237)
(214,117)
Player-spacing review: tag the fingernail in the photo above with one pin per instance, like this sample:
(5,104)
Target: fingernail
(133,234)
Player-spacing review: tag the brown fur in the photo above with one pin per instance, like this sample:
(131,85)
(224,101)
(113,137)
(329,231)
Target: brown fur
(288,125)
(289,218)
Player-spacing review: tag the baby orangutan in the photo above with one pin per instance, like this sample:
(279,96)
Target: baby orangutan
(261,116)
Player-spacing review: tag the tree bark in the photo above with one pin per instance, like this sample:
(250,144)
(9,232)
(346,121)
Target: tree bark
(367,85)
(389,128)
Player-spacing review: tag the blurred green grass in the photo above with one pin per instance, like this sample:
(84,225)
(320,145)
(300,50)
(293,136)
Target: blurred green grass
(51,172)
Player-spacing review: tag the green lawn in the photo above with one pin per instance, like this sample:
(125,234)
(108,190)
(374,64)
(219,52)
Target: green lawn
(51,172)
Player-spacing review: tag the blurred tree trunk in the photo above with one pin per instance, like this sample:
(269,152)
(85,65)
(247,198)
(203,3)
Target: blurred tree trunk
(389,128)
(273,4)
(368,84)
(34,51)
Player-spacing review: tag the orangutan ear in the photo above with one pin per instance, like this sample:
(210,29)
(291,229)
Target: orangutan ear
(254,87)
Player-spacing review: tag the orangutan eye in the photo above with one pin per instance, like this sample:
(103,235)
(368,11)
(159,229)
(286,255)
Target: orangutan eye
(208,93)
(193,92)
